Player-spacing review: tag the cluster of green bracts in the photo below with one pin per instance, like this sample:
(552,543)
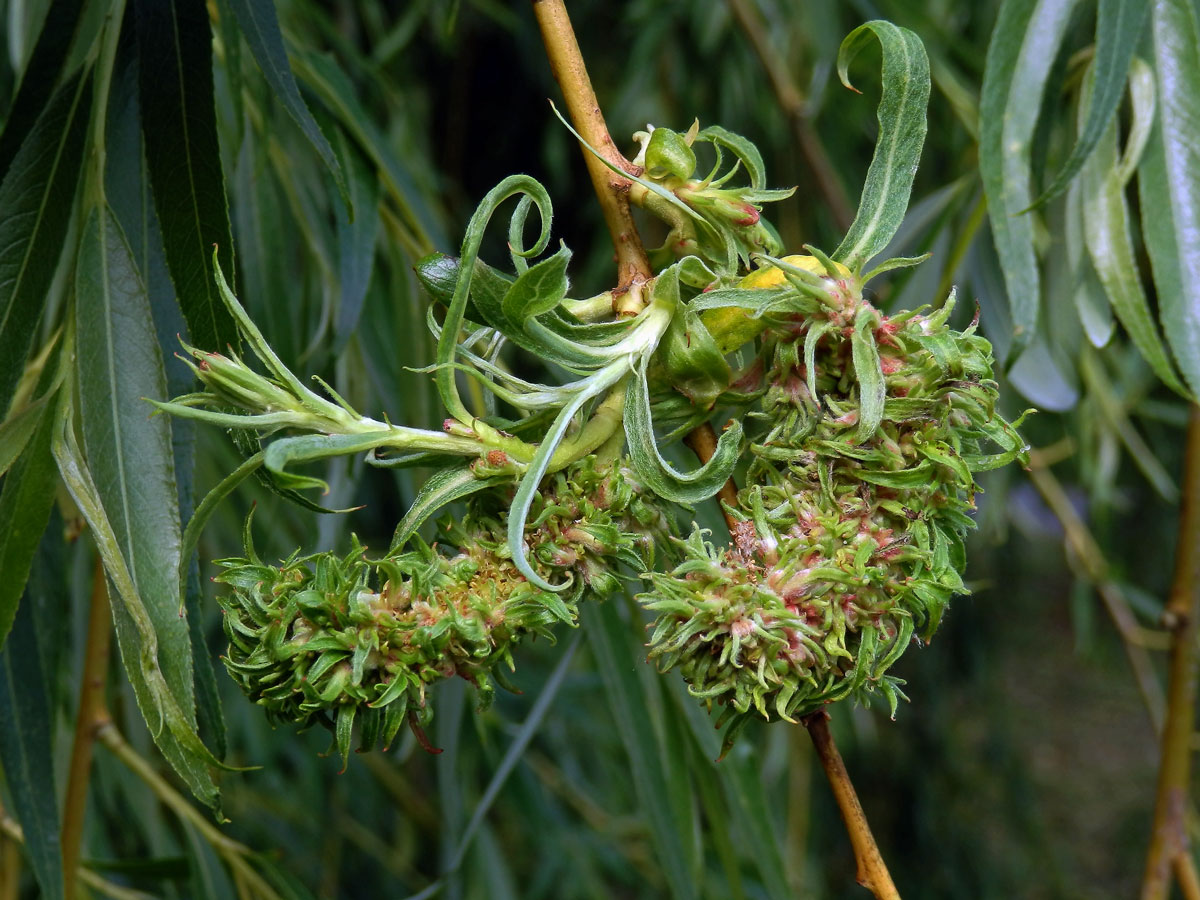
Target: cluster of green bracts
(856,436)
(860,484)
(340,640)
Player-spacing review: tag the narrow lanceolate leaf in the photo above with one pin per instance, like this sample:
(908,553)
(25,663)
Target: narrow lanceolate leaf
(356,243)
(1119,25)
(16,431)
(1091,303)
(26,719)
(36,200)
(41,75)
(1169,186)
(1110,242)
(448,342)
(127,185)
(659,475)
(901,135)
(309,447)
(871,388)
(174,730)
(1024,45)
(183,158)
(130,460)
(260,26)
(25,501)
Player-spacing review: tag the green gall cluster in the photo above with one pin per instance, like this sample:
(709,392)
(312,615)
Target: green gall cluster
(348,640)
(851,529)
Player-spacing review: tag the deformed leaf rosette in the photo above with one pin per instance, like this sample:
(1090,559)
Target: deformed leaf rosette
(776,634)
(861,482)
(340,640)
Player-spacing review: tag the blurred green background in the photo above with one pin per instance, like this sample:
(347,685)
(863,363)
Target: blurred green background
(1024,765)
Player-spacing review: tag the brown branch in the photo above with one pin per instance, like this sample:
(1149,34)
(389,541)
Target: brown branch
(824,177)
(1189,879)
(872,872)
(703,442)
(1090,558)
(236,855)
(612,191)
(91,715)
(1168,839)
(633,269)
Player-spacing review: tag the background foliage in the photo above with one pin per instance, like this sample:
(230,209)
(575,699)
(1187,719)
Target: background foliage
(325,148)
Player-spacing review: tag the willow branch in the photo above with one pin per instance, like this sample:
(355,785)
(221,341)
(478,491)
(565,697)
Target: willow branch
(612,191)
(1188,877)
(1090,558)
(872,871)
(824,178)
(703,442)
(91,715)
(1168,839)
(234,854)
(633,267)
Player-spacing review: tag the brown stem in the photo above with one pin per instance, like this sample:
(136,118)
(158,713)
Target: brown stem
(703,442)
(1186,874)
(824,178)
(236,855)
(1168,839)
(1090,558)
(633,269)
(91,715)
(872,872)
(566,62)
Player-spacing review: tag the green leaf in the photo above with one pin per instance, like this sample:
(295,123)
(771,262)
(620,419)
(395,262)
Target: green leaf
(659,475)
(331,84)
(36,198)
(195,525)
(132,503)
(183,158)
(356,244)
(260,26)
(538,289)
(1022,51)
(1091,302)
(305,448)
(610,640)
(1109,237)
(42,74)
(901,117)
(538,466)
(135,629)
(1119,27)
(693,360)
(669,155)
(1169,188)
(448,342)
(25,502)
(443,487)
(26,720)
(16,431)
(871,389)
(742,149)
